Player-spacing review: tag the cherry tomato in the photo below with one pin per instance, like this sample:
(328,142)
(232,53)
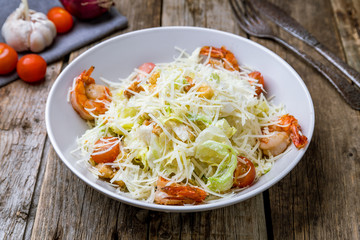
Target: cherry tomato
(61,18)
(244,174)
(146,67)
(8,58)
(31,68)
(257,75)
(106,150)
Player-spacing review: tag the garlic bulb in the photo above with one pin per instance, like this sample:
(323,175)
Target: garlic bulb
(26,29)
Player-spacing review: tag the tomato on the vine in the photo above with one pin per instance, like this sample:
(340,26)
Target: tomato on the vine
(61,18)
(244,174)
(31,68)
(8,59)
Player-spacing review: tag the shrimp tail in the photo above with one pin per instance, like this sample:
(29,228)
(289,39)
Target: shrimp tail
(85,76)
(296,136)
(220,56)
(89,71)
(213,51)
(293,128)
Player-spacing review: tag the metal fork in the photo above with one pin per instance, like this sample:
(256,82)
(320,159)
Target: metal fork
(250,21)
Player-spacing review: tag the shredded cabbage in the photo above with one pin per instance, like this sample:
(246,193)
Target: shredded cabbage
(198,139)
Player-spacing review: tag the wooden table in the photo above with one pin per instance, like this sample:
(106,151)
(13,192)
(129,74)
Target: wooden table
(42,199)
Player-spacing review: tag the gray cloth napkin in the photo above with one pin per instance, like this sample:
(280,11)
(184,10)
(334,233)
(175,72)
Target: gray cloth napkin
(82,33)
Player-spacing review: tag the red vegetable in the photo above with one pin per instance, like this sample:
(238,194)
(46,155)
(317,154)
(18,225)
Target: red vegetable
(244,174)
(146,67)
(8,58)
(31,68)
(106,150)
(87,9)
(61,18)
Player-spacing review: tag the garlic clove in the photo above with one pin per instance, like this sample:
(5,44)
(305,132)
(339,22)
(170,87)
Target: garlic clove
(47,35)
(39,17)
(37,42)
(51,26)
(44,32)
(17,39)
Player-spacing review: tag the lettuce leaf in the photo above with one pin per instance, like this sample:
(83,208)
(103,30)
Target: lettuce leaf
(225,126)
(212,152)
(212,133)
(214,148)
(222,180)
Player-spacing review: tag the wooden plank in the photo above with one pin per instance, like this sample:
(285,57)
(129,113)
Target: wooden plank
(346,14)
(77,210)
(318,199)
(22,138)
(182,13)
(212,14)
(244,220)
(53,214)
(36,194)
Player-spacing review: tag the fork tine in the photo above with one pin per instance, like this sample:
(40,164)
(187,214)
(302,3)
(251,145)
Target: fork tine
(236,9)
(251,11)
(249,14)
(239,15)
(249,19)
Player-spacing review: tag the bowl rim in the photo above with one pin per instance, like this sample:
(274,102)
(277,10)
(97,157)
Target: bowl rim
(186,208)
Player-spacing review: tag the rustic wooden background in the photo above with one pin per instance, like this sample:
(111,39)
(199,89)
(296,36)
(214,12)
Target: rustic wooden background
(41,199)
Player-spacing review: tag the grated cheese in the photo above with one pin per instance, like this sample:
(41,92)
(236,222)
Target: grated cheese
(181,116)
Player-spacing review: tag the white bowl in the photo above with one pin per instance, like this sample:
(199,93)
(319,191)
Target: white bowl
(117,57)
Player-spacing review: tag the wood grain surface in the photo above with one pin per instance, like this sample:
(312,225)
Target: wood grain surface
(314,200)
(42,199)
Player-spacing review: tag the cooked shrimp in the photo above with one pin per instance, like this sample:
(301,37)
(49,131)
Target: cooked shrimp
(87,98)
(287,129)
(220,56)
(177,194)
(290,125)
(275,144)
(260,80)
